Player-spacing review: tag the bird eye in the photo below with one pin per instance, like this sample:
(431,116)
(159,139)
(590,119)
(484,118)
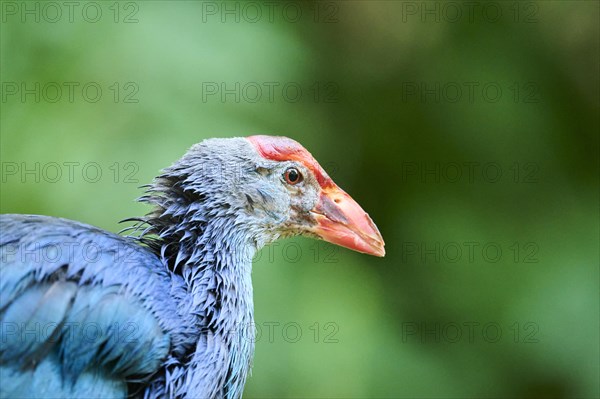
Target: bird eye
(292,176)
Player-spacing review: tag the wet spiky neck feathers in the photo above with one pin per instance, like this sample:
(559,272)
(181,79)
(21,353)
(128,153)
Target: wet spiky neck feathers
(204,236)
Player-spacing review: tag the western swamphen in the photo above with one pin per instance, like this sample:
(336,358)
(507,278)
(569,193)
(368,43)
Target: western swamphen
(165,310)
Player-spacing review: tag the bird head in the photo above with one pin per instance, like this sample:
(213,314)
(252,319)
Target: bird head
(269,186)
(313,204)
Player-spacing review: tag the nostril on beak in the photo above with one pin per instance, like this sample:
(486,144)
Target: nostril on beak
(337,200)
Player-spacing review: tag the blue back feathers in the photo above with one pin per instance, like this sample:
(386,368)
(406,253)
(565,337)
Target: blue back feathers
(83,312)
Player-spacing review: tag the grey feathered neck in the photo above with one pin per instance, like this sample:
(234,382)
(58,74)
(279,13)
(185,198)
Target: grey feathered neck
(195,204)
(200,231)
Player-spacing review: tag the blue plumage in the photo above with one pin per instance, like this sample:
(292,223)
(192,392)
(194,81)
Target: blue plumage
(91,318)
(85,312)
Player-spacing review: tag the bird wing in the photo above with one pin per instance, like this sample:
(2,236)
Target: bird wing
(82,311)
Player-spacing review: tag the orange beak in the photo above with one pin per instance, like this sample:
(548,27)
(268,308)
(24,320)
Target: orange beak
(341,221)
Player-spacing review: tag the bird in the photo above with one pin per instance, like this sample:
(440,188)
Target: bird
(159,309)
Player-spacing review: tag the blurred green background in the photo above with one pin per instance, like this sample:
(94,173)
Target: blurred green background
(468,132)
